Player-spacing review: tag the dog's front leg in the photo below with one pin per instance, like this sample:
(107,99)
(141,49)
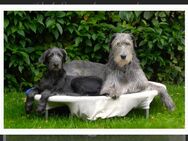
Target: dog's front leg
(109,90)
(30,98)
(43,101)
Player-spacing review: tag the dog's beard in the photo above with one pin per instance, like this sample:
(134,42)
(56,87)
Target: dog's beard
(122,62)
(55,68)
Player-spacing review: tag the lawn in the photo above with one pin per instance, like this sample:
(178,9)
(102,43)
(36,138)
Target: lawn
(160,117)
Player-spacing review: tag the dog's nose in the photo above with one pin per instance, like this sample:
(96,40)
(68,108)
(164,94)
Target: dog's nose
(123,56)
(56,65)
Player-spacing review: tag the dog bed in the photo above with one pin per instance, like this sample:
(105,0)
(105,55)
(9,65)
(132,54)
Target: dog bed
(94,107)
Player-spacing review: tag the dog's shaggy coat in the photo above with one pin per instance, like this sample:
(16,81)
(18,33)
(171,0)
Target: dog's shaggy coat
(123,73)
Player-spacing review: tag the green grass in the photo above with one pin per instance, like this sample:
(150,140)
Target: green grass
(160,117)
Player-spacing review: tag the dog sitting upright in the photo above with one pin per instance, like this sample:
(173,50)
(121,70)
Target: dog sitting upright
(52,81)
(55,81)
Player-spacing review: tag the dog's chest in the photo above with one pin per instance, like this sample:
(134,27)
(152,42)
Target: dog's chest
(117,79)
(56,79)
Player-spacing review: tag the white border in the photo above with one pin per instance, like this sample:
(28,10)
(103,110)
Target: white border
(67,7)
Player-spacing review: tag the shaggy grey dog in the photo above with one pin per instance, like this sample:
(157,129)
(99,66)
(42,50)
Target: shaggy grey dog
(122,74)
(52,81)
(55,81)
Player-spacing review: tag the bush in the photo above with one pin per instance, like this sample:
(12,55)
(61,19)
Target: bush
(86,35)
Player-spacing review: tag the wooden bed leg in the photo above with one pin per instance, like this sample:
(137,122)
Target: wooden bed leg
(147,113)
(46,115)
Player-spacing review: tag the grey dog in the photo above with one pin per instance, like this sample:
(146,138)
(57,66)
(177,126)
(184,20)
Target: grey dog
(52,81)
(56,81)
(122,74)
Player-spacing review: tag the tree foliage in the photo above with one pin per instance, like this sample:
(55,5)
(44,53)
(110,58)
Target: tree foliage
(86,35)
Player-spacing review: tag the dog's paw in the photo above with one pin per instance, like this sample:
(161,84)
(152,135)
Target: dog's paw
(105,94)
(40,110)
(102,92)
(114,96)
(28,109)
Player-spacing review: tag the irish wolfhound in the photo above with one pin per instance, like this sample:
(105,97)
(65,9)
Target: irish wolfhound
(56,81)
(124,74)
(52,81)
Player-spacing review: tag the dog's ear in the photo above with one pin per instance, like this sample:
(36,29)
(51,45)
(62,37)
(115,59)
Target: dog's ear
(112,38)
(133,39)
(64,55)
(43,59)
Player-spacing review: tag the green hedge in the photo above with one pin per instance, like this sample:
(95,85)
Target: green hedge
(86,35)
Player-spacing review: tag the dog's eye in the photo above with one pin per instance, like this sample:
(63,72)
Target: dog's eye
(127,44)
(59,55)
(118,44)
(50,55)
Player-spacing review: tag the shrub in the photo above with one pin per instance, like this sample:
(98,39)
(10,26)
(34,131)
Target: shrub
(86,35)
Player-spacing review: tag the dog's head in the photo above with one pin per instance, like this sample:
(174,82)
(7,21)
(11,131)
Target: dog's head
(54,58)
(122,48)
